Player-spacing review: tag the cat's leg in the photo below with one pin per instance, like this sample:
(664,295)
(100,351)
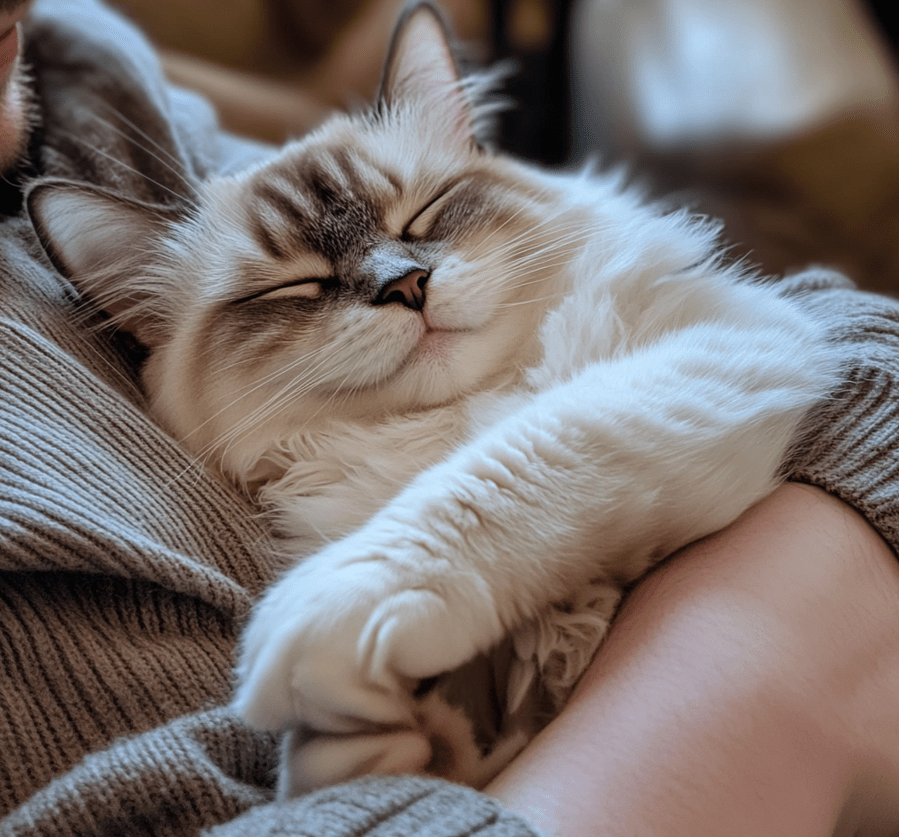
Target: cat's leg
(595,479)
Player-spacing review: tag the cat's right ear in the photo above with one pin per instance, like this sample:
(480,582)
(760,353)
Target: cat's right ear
(100,241)
(421,70)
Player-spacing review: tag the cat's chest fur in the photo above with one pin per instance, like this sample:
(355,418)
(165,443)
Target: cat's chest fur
(327,478)
(322,483)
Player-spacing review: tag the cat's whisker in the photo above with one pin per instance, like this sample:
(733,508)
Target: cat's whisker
(539,258)
(99,152)
(90,308)
(531,265)
(195,468)
(550,238)
(252,421)
(511,279)
(514,216)
(270,405)
(549,244)
(292,390)
(535,258)
(342,392)
(353,362)
(249,421)
(521,280)
(548,298)
(535,224)
(258,383)
(509,244)
(155,150)
(177,163)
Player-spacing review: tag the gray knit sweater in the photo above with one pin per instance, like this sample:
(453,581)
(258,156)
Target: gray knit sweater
(125,571)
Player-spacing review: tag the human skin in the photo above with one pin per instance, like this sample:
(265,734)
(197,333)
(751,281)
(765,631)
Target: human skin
(13,109)
(749,686)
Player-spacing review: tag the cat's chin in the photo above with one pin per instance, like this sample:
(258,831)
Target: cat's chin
(437,344)
(443,366)
(439,352)
(430,366)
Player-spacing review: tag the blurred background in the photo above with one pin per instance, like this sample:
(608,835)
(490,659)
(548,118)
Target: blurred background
(779,116)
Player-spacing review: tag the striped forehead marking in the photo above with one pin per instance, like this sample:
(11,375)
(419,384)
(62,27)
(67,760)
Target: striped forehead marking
(331,203)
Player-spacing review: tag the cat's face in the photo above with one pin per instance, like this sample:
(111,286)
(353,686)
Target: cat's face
(384,263)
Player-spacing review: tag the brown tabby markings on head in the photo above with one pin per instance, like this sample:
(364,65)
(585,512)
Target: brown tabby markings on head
(273,301)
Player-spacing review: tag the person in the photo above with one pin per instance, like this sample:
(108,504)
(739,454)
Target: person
(13,92)
(753,676)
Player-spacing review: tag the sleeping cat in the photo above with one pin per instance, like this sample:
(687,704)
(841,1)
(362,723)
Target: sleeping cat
(478,398)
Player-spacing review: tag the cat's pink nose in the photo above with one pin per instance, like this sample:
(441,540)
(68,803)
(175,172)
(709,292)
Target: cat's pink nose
(409,290)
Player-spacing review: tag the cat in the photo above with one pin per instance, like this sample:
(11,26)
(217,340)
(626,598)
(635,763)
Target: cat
(477,397)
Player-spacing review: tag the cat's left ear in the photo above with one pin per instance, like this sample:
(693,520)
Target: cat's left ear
(421,71)
(101,240)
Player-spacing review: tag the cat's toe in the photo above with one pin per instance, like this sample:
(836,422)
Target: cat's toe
(417,634)
(338,648)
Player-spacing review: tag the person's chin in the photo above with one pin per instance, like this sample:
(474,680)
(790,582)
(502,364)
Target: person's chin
(14,118)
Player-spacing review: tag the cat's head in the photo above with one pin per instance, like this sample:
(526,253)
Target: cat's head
(386,262)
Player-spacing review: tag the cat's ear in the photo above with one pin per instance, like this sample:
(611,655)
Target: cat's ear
(421,70)
(100,241)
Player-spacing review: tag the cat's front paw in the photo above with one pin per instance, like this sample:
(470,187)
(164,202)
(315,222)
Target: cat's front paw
(339,645)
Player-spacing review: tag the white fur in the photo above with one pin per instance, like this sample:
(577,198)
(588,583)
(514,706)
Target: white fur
(665,401)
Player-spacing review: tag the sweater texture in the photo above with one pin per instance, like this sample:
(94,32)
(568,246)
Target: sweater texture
(126,571)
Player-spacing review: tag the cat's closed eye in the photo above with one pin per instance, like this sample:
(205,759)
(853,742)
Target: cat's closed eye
(298,289)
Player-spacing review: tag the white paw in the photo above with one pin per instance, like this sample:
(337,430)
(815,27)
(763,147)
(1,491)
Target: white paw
(445,745)
(338,646)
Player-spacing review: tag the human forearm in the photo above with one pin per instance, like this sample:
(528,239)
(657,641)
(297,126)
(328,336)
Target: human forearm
(719,702)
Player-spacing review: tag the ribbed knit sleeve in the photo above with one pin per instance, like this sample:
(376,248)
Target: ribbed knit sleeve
(180,788)
(124,570)
(382,807)
(852,447)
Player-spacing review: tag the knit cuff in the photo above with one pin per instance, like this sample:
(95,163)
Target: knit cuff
(382,807)
(851,444)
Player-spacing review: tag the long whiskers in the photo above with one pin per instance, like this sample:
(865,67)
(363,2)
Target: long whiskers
(543,238)
(99,152)
(249,423)
(157,151)
(253,417)
(533,301)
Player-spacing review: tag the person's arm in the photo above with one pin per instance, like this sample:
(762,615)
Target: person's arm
(748,687)
(250,105)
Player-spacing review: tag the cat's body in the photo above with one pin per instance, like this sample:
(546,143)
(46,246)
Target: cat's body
(480,397)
